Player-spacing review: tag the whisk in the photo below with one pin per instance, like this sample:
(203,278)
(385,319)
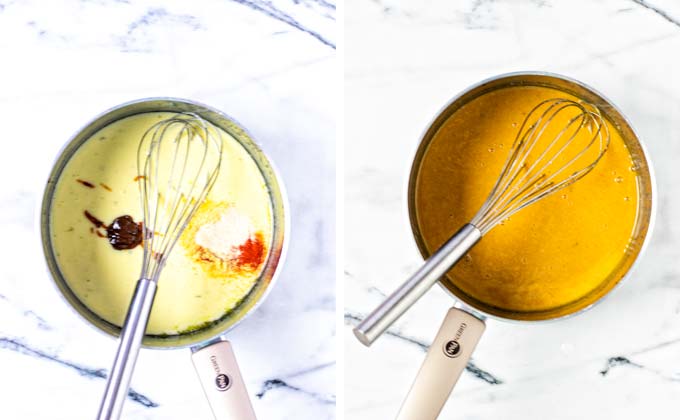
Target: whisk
(178,161)
(559,142)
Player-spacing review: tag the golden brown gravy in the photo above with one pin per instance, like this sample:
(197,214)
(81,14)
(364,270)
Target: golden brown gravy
(553,257)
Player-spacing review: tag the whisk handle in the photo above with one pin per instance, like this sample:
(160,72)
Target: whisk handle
(420,282)
(128,348)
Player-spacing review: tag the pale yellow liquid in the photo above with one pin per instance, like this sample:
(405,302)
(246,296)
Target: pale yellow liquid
(189,294)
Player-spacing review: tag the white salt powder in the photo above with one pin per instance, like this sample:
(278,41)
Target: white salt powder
(223,237)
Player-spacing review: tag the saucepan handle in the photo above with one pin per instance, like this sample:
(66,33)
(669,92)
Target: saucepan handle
(222,382)
(445,360)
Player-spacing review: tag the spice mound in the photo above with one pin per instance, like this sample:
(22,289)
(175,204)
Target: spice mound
(224,241)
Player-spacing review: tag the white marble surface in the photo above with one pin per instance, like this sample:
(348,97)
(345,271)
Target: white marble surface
(403,61)
(269,64)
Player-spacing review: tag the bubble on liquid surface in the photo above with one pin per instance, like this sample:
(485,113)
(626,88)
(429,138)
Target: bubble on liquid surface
(618,179)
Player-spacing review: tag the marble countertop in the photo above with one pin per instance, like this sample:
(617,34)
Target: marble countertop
(269,64)
(403,61)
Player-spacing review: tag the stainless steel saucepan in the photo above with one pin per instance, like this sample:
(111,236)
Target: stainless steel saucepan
(465,321)
(212,354)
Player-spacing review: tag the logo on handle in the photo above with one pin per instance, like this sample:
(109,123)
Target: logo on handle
(222,380)
(452,347)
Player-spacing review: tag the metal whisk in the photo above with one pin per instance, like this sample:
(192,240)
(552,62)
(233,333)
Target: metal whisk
(178,161)
(559,142)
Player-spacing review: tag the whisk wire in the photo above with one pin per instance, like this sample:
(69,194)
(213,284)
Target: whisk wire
(179,159)
(525,180)
(522,148)
(538,177)
(514,163)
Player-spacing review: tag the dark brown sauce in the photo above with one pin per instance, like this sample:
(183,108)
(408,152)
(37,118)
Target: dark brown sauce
(124,233)
(85,183)
(96,222)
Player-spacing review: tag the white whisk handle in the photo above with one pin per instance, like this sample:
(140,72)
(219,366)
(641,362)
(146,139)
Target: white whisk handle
(128,348)
(420,282)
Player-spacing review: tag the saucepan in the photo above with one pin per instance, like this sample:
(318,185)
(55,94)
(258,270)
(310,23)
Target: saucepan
(465,321)
(212,354)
